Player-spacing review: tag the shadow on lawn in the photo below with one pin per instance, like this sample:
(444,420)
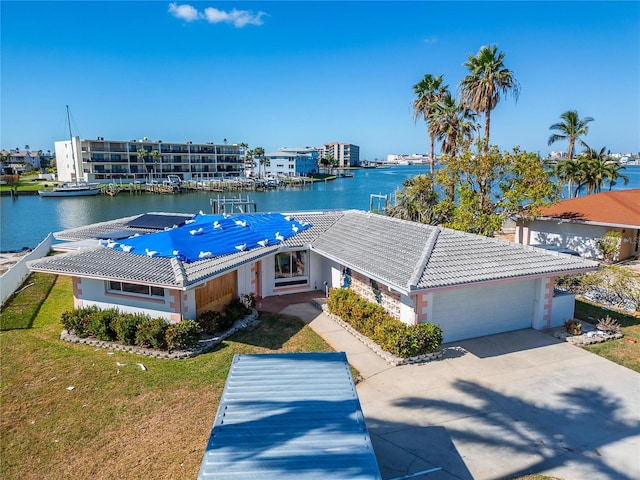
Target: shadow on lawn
(21,309)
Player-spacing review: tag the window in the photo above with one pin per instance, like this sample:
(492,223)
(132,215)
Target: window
(135,289)
(291,268)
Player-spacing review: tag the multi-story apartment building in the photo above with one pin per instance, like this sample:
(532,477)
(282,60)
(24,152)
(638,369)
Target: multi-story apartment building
(348,155)
(103,160)
(290,162)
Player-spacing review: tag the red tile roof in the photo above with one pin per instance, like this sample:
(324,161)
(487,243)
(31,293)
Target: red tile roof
(619,207)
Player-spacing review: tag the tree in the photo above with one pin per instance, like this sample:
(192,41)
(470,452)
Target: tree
(142,155)
(429,91)
(487,80)
(262,161)
(452,124)
(495,185)
(568,172)
(332,162)
(154,155)
(416,201)
(570,128)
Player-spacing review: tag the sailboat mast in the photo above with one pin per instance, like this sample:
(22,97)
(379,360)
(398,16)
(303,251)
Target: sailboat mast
(73,157)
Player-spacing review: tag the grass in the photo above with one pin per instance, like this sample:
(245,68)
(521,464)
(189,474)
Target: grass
(622,351)
(117,421)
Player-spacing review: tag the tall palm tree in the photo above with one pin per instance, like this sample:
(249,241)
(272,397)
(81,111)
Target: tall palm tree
(451,123)
(569,172)
(142,155)
(571,128)
(600,168)
(154,155)
(487,80)
(429,91)
(262,162)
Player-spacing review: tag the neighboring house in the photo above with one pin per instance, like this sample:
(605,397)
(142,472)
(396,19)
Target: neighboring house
(16,160)
(290,162)
(468,284)
(578,223)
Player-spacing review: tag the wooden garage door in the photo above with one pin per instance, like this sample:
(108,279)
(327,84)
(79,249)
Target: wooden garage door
(216,293)
(484,310)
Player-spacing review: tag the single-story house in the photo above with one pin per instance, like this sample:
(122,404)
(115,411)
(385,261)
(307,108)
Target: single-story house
(577,224)
(468,284)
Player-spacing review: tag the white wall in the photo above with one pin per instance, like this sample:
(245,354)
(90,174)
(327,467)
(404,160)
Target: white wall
(18,273)
(94,293)
(577,237)
(563,308)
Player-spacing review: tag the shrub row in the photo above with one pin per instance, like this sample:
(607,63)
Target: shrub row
(131,328)
(218,322)
(373,321)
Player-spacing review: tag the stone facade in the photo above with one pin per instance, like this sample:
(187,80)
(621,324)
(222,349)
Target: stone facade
(377,294)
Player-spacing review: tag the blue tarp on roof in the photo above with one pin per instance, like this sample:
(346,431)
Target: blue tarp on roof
(208,236)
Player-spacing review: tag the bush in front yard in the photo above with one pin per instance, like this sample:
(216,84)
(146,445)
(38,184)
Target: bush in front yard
(392,335)
(101,324)
(77,321)
(126,326)
(182,335)
(151,333)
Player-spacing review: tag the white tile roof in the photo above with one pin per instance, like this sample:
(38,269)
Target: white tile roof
(406,255)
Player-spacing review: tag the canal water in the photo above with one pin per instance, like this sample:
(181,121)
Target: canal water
(26,220)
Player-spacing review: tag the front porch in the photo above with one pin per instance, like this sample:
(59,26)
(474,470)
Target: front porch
(277,303)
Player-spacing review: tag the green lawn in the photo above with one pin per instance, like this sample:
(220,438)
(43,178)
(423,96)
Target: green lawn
(117,421)
(622,351)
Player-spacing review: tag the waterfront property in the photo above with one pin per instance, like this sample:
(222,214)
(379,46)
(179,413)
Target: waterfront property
(290,162)
(346,154)
(105,161)
(467,284)
(577,224)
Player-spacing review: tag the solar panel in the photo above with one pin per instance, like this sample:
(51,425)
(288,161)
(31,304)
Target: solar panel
(158,221)
(118,235)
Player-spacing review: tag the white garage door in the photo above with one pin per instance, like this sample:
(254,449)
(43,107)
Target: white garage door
(484,310)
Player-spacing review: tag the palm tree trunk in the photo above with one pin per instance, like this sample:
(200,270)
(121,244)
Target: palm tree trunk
(487,124)
(431,161)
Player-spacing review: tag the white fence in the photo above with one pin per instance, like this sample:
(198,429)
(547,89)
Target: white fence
(13,278)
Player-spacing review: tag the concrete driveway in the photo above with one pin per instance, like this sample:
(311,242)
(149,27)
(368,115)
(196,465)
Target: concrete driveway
(496,407)
(504,406)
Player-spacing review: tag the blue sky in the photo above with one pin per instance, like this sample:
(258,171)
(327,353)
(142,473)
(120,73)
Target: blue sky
(294,73)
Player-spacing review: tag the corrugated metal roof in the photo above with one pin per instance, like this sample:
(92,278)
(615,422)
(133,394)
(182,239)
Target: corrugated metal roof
(289,416)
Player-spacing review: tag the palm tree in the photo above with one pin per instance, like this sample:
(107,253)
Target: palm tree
(262,162)
(600,168)
(451,123)
(571,128)
(488,79)
(569,172)
(142,155)
(429,91)
(154,155)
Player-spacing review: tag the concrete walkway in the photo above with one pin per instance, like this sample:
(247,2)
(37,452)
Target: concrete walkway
(495,407)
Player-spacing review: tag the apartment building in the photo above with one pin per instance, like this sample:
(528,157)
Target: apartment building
(347,154)
(104,161)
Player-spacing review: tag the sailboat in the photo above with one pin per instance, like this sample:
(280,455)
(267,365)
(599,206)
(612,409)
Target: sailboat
(78,188)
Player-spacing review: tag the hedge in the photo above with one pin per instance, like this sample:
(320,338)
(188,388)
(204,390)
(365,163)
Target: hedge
(373,321)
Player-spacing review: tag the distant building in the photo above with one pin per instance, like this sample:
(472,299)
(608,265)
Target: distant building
(17,160)
(103,160)
(403,159)
(290,162)
(347,154)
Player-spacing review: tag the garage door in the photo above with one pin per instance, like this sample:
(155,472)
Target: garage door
(484,310)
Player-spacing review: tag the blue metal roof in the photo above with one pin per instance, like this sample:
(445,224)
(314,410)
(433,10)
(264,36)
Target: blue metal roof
(289,416)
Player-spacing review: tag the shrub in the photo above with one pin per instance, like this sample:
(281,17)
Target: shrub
(210,322)
(235,310)
(77,321)
(182,335)
(101,324)
(248,300)
(126,326)
(374,322)
(151,332)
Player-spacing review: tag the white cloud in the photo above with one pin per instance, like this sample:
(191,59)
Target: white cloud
(238,18)
(185,12)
